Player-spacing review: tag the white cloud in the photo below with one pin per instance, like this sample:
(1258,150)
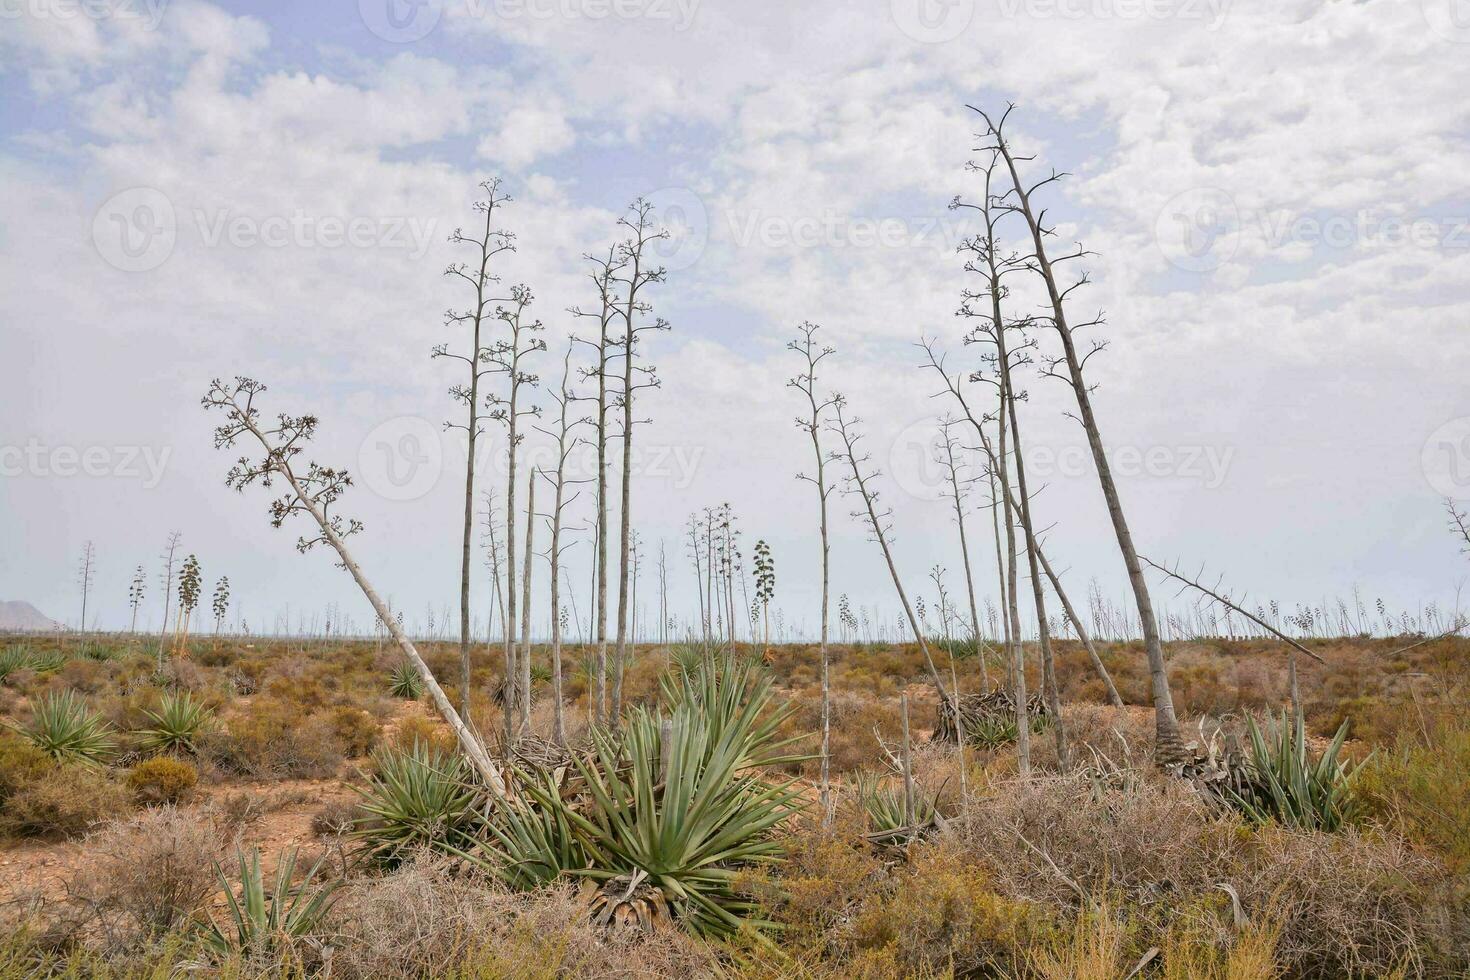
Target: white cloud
(526,135)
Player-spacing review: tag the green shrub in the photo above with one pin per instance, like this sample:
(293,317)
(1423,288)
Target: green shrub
(260,922)
(674,809)
(162,779)
(1282,782)
(177,724)
(404,682)
(63,726)
(67,802)
(1422,786)
(419,797)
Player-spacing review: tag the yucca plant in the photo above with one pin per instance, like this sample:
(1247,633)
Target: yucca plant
(260,922)
(1280,781)
(13,659)
(404,682)
(673,809)
(63,726)
(99,653)
(421,796)
(724,689)
(884,805)
(531,844)
(686,658)
(46,661)
(177,724)
(989,730)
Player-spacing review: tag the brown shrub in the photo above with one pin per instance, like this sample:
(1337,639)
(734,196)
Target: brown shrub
(334,819)
(162,779)
(270,739)
(1346,904)
(66,802)
(150,873)
(21,763)
(422,921)
(428,731)
(356,730)
(863,914)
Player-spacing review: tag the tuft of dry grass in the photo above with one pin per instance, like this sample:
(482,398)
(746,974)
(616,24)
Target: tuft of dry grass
(421,920)
(148,874)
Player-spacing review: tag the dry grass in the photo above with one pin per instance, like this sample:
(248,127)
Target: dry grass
(423,921)
(1077,876)
(148,874)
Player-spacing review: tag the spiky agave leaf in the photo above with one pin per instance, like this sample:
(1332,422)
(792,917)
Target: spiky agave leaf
(673,804)
(404,682)
(46,661)
(421,796)
(177,724)
(63,726)
(13,659)
(1280,781)
(884,805)
(531,842)
(730,689)
(260,920)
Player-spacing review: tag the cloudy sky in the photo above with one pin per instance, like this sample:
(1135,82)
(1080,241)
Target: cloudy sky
(1275,192)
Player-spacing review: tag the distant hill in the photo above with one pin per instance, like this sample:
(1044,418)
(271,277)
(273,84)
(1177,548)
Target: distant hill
(23,616)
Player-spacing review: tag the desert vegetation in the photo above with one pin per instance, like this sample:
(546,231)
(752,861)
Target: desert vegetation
(1061,787)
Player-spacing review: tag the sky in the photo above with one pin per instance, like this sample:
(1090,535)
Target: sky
(1272,192)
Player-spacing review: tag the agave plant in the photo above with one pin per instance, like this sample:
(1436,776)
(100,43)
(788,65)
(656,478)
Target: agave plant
(673,808)
(99,653)
(686,658)
(421,796)
(404,682)
(13,659)
(64,727)
(884,805)
(46,661)
(260,921)
(1280,781)
(532,844)
(177,724)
